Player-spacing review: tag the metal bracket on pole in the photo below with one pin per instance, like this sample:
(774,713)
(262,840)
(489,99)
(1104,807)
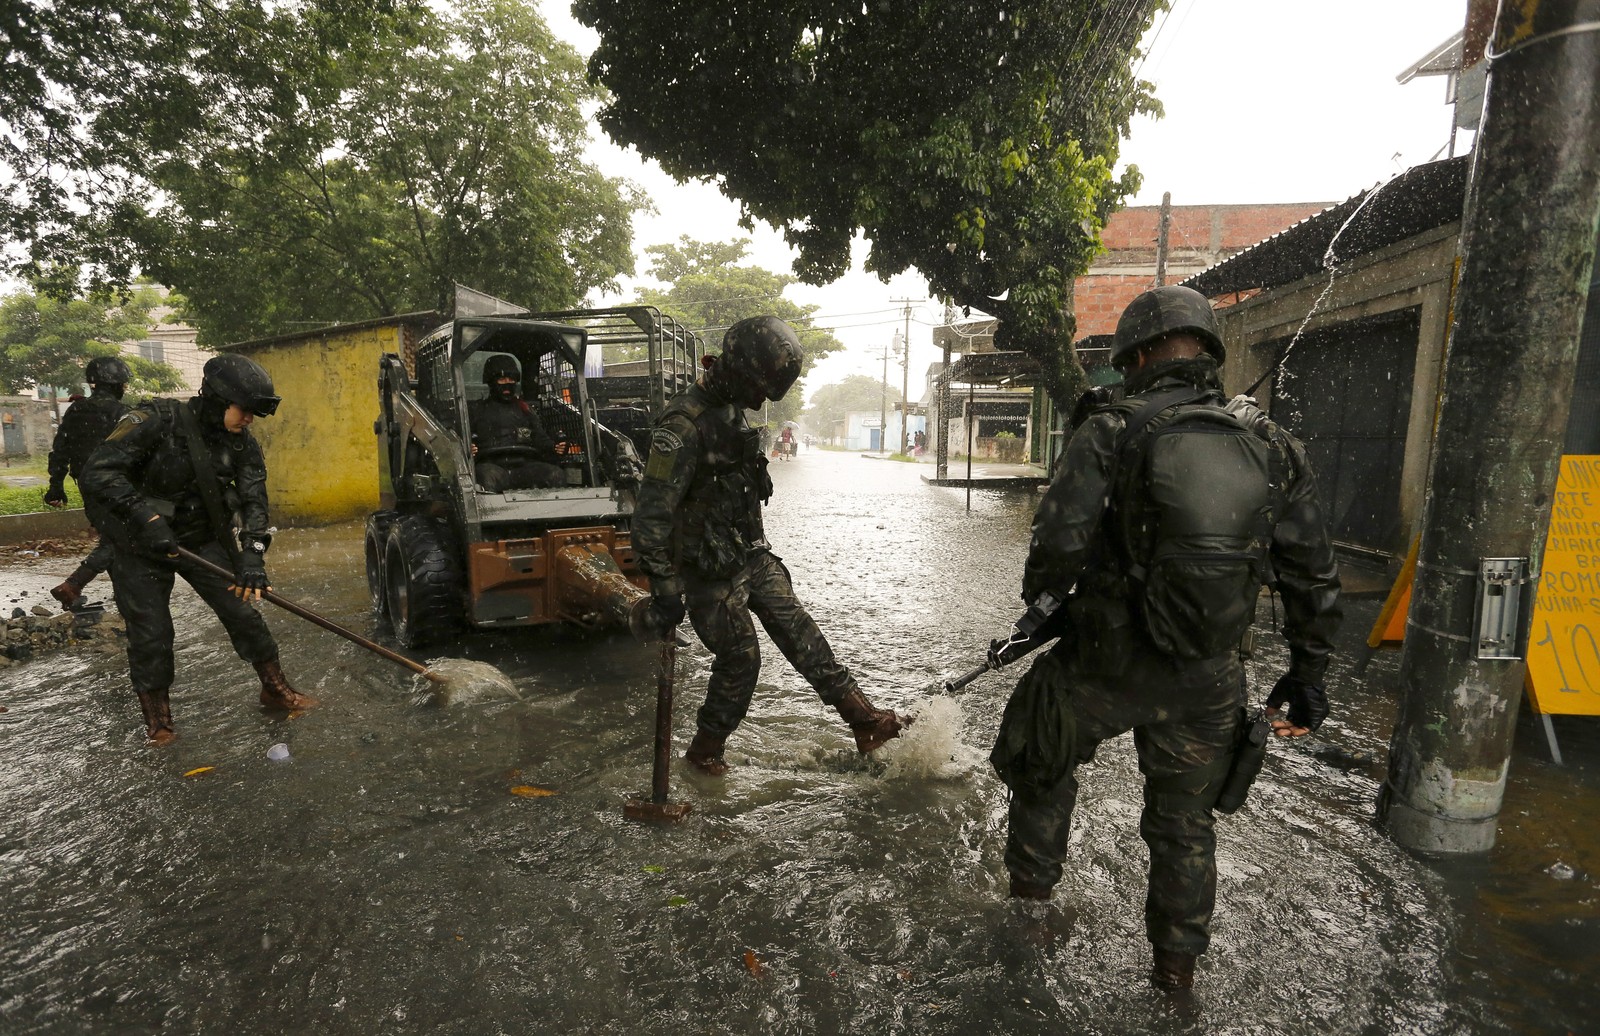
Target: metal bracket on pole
(1497,621)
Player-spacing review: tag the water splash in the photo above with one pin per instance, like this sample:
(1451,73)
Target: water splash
(466,683)
(931,747)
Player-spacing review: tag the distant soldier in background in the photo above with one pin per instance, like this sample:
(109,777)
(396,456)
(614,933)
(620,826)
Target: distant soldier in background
(83,427)
(698,535)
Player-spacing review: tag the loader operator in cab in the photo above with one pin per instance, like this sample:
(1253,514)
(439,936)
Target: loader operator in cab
(509,444)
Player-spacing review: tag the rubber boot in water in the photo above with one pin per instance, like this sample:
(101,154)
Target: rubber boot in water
(1173,969)
(276,693)
(1027,890)
(157,716)
(872,726)
(705,754)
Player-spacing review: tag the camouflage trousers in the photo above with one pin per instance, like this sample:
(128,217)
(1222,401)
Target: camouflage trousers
(142,588)
(1184,717)
(721,611)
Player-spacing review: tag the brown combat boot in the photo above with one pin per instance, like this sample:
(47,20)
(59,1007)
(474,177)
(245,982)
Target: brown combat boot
(157,716)
(1173,969)
(705,754)
(872,726)
(276,693)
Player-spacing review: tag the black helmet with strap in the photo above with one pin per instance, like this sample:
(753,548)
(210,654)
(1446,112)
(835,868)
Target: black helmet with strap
(763,355)
(240,380)
(1159,312)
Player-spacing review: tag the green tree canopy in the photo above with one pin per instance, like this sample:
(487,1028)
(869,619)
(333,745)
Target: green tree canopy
(98,92)
(832,404)
(452,153)
(974,142)
(709,290)
(45,342)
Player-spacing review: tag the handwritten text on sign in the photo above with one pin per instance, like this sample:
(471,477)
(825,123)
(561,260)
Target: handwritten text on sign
(1564,641)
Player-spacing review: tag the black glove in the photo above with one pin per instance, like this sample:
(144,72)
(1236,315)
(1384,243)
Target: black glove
(666,611)
(157,538)
(250,571)
(56,495)
(1308,705)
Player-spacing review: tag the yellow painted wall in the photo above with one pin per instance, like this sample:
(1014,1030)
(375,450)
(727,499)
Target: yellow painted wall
(322,455)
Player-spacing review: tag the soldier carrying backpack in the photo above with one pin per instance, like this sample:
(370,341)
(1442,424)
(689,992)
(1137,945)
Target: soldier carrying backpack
(1170,509)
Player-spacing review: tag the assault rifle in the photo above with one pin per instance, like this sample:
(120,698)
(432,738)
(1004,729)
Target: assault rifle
(1043,622)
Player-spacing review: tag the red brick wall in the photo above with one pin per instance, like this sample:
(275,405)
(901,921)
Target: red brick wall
(1205,234)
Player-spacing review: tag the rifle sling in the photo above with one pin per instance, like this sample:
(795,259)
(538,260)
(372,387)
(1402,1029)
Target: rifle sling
(206,475)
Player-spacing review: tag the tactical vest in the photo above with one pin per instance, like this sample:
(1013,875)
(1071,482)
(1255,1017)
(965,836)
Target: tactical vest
(719,520)
(168,479)
(1195,496)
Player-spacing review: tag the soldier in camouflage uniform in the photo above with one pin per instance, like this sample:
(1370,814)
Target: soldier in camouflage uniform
(143,489)
(698,535)
(1185,713)
(83,427)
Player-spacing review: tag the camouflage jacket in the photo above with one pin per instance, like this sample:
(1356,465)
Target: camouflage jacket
(144,468)
(1070,530)
(83,427)
(699,511)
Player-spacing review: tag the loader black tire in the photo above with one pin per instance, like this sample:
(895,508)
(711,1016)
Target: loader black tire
(423,583)
(377,546)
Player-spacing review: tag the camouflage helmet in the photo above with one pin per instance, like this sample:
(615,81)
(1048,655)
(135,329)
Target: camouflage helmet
(1162,311)
(241,381)
(106,370)
(764,353)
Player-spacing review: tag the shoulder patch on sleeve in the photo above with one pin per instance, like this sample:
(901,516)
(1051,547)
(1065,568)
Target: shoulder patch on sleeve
(665,440)
(127,423)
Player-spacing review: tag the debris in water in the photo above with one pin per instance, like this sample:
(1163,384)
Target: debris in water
(753,964)
(465,683)
(278,752)
(1561,871)
(198,770)
(532,791)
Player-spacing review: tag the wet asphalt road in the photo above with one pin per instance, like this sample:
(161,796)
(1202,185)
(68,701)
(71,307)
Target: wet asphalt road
(386,878)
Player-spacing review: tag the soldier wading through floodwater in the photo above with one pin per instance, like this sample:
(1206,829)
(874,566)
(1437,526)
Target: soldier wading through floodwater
(1169,510)
(698,535)
(84,426)
(190,473)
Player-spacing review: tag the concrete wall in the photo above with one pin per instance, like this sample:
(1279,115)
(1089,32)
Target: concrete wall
(1416,272)
(322,455)
(26,423)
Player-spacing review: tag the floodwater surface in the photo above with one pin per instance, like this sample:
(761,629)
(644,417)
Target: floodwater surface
(423,864)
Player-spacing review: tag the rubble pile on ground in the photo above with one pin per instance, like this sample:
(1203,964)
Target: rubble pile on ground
(25,635)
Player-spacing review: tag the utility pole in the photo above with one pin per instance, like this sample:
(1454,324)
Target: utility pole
(1528,238)
(883,405)
(905,380)
(1162,230)
(941,401)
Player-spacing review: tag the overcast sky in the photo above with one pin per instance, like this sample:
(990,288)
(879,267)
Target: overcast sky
(1266,101)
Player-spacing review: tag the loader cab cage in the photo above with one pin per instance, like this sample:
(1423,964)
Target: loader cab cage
(638,358)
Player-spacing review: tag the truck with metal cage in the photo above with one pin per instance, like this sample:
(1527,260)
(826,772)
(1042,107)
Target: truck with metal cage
(443,553)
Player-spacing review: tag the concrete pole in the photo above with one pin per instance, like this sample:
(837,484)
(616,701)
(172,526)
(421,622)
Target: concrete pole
(1528,242)
(883,406)
(1161,238)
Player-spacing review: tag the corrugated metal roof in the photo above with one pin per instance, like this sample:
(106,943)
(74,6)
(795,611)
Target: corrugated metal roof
(1419,199)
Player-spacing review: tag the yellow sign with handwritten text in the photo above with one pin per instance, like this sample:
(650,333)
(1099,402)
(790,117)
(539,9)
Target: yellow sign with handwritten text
(1564,640)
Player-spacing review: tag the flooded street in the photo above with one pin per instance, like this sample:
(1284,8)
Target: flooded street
(385,877)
